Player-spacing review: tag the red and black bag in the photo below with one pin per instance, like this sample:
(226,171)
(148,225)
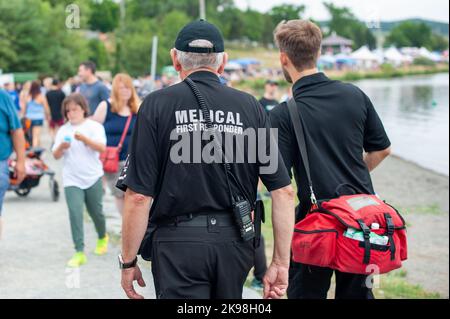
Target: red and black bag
(319,238)
(110,157)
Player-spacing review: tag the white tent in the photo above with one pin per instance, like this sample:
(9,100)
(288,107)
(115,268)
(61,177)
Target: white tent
(393,55)
(365,57)
(423,52)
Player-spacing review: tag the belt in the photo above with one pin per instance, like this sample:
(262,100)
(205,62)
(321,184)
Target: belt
(202,220)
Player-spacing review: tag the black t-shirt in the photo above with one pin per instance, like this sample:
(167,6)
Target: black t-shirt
(340,124)
(194,187)
(268,104)
(55,99)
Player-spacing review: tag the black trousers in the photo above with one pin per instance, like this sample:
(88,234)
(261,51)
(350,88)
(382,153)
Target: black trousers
(200,263)
(260,260)
(311,282)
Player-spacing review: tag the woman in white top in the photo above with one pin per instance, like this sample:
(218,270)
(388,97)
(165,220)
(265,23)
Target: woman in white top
(79,142)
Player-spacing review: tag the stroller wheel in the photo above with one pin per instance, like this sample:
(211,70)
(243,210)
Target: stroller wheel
(55,190)
(22,192)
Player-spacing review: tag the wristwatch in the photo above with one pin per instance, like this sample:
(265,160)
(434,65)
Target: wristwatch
(123,265)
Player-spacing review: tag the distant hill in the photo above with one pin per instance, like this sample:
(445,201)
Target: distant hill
(386,26)
(437,27)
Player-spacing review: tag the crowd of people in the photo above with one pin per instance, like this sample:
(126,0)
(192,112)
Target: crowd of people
(82,122)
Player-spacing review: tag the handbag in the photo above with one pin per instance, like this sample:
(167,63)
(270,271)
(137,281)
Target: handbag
(110,157)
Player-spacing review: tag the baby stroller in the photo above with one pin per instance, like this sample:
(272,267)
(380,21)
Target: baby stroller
(35,168)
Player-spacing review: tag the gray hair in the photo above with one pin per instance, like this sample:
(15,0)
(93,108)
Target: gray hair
(190,60)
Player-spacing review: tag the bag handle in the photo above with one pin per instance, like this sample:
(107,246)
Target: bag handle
(298,125)
(125,131)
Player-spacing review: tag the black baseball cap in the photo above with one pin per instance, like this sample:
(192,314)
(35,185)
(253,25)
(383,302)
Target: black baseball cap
(200,30)
(272,82)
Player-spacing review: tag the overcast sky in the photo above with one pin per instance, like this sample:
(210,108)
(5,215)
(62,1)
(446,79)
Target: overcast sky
(366,10)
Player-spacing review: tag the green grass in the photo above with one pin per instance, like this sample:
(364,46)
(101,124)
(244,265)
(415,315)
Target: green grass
(395,286)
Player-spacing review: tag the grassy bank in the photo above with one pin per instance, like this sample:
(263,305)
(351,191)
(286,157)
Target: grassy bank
(385,72)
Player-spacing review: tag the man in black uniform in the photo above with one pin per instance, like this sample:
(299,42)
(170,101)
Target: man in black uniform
(340,124)
(269,100)
(198,250)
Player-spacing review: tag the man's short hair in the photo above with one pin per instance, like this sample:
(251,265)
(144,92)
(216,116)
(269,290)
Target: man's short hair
(191,60)
(301,40)
(89,65)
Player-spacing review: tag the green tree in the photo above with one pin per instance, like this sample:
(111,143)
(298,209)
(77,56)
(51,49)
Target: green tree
(411,34)
(438,43)
(286,12)
(38,40)
(104,16)
(345,24)
(136,45)
(98,54)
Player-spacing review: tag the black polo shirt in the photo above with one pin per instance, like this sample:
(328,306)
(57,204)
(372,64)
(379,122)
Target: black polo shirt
(268,104)
(186,187)
(340,124)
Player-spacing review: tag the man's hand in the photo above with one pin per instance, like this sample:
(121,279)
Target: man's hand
(275,281)
(19,171)
(128,276)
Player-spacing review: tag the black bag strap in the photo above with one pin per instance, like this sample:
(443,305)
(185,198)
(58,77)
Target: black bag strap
(298,125)
(390,233)
(366,234)
(206,115)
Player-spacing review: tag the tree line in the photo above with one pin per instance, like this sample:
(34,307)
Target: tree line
(34,36)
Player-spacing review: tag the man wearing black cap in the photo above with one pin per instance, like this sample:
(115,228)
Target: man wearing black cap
(203,210)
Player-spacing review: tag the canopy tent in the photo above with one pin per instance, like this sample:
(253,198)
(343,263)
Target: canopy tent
(233,66)
(363,53)
(336,44)
(425,53)
(365,57)
(326,61)
(394,56)
(245,62)
(344,59)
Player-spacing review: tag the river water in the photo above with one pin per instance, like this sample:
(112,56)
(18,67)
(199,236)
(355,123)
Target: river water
(415,112)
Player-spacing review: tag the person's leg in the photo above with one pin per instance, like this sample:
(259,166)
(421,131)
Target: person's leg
(308,282)
(36,132)
(51,129)
(234,261)
(94,205)
(75,203)
(181,267)
(4,184)
(260,261)
(353,286)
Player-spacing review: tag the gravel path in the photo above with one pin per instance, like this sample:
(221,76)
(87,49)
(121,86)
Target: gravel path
(423,197)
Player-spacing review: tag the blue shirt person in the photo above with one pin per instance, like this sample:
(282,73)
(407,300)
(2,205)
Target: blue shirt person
(11,137)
